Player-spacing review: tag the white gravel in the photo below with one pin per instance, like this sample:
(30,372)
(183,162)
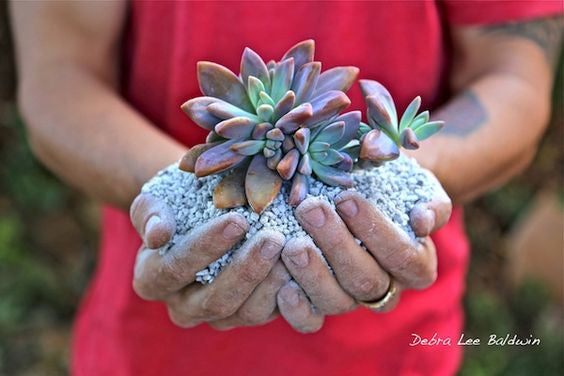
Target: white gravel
(395,188)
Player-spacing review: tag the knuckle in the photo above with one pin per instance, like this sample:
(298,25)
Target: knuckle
(180,319)
(250,274)
(416,270)
(368,287)
(427,277)
(143,289)
(252,316)
(213,308)
(168,274)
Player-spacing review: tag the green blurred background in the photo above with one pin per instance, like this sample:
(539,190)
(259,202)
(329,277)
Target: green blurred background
(48,243)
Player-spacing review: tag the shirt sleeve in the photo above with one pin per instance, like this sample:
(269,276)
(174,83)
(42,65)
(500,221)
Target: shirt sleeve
(482,12)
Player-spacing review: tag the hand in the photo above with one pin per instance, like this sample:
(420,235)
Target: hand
(359,275)
(244,293)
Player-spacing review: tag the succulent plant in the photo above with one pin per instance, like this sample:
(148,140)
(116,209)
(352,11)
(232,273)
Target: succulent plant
(384,134)
(274,122)
(282,121)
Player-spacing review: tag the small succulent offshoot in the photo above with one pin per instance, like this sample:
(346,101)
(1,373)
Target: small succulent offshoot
(282,121)
(383,136)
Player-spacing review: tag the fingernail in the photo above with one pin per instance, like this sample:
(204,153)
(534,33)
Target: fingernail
(233,231)
(269,250)
(315,217)
(153,221)
(290,296)
(299,258)
(348,208)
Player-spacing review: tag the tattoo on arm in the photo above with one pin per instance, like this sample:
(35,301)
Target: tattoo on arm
(545,33)
(463,115)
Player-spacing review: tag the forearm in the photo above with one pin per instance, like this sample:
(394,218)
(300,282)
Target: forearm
(491,132)
(84,132)
(503,78)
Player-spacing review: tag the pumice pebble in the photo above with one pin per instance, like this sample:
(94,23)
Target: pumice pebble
(394,188)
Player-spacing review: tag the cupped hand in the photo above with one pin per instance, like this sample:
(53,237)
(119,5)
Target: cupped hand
(392,261)
(243,294)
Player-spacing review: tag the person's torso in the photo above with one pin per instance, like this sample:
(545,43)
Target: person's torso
(397,43)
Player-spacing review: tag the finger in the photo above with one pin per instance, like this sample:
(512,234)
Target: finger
(305,263)
(355,269)
(297,310)
(427,217)
(408,262)
(261,305)
(236,321)
(153,220)
(392,303)
(157,275)
(222,298)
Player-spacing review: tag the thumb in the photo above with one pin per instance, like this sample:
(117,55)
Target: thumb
(153,219)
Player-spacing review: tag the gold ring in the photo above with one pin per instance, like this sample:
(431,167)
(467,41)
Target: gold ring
(379,304)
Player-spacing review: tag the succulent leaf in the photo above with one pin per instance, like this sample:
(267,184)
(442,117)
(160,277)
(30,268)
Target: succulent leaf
(253,65)
(272,144)
(428,129)
(346,164)
(260,131)
(293,119)
(353,152)
(219,82)
(288,164)
(188,161)
(409,139)
(304,167)
(237,127)
(374,88)
(224,110)
(332,176)
(282,79)
(230,191)
(332,133)
(214,137)
(419,120)
(352,123)
(273,161)
(262,185)
(301,52)
(284,105)
(249,147)
(275,134)
(363,129)
(333,157)
(288,144)
(305,81)
(379,117)
(298,192)
(268,153)
(265,111)
(197,111)
(318,155)
(254,88)
(409,113)
(265,99)
(319,146)
(326,106)
(301,139)
(217,159)
(338,78)
(377,146)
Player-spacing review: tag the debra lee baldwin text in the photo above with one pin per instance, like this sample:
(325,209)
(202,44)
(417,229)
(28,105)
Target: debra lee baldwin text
(492,340)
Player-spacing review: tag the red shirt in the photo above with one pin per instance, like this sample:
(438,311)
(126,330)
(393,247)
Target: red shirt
(400,44)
